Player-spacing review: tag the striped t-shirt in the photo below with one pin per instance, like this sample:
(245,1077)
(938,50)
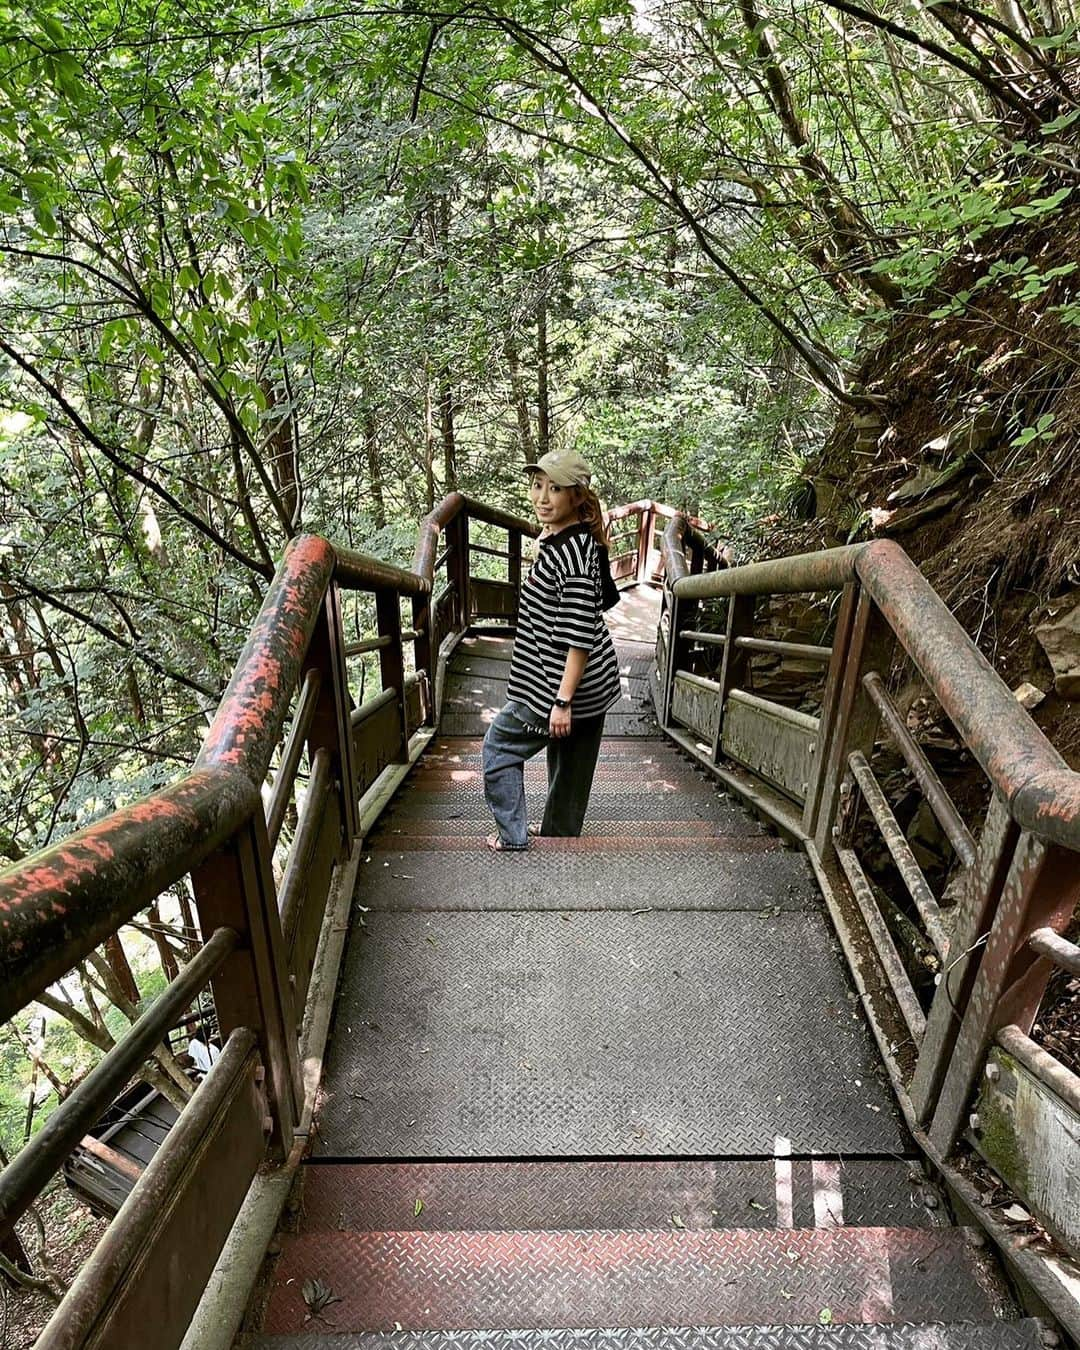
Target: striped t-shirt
(560,608)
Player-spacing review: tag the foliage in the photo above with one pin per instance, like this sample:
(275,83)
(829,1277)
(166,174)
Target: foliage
(272,268)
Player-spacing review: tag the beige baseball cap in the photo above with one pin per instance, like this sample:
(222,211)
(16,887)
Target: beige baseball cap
(565,467)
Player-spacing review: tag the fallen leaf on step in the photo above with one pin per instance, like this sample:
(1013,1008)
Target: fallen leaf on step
(318,1296)
(677,1221)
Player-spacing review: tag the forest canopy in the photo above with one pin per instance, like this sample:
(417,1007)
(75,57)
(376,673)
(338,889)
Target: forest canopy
(272,268)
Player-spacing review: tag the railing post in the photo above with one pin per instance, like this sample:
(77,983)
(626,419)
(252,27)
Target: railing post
(856,721)
(330,727)
(234,888)
(673,652)
(1041,891)
(645,515)
(391,661)
(980,890)
(513,568)
(424,653)
(735,664)
(457,567)
(830,705)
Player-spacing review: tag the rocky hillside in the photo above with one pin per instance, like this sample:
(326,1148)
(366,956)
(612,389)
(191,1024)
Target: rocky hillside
(971,459)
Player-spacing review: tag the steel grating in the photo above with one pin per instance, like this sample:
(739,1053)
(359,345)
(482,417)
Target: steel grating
(611,747)
(681,838)
(659,785)
(581,878)
(687,1194)
(585,1034)
(421,1281)
(625,806)
(392,835)
(1024,1335)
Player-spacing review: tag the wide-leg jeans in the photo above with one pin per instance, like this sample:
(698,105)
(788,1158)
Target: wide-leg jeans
(515,736)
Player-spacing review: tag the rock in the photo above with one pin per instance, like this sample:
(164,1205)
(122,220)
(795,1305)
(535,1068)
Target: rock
(1059,638)
(1028,696)
(927,480)
(969,436)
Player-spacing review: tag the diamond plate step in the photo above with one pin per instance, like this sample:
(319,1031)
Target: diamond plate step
(573,877)
(733,1277)
(1024,1335)
(597,1034)
(691,1195)
(677,838)
(624,806)
(466,749)
(389,835)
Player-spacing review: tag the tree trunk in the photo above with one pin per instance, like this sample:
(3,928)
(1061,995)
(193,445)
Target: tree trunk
(519,397)
(165,952)
(543,405)
(374,468)
(121,969)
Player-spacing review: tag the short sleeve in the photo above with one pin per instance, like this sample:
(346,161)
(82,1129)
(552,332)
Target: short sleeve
(579,605)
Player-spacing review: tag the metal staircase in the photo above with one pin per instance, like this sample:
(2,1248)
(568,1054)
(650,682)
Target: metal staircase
(667,1085)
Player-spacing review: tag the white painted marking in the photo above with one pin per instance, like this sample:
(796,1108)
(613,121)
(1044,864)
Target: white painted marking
(785,1199)
(828,1197)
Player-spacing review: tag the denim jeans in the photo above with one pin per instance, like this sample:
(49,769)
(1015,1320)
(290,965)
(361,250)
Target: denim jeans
(515,736)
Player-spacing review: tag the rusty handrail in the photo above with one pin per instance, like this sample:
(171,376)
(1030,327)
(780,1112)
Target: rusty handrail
(452,506)
(61,903)
(1043,793)
(827,570)
(680,532)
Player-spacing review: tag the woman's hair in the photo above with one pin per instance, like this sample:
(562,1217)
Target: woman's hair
(590,512)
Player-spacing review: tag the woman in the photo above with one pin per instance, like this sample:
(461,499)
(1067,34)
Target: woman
(564,674)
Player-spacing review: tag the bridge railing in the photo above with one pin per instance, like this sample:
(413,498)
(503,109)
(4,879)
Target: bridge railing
(636,547)
(288,713)
(1018,877)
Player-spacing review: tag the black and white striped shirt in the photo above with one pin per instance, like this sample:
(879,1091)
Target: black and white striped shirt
(560,608)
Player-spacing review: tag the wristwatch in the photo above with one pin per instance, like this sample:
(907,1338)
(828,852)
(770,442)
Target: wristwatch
(562,703)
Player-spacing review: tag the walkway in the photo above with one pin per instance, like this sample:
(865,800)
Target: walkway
(613,1083)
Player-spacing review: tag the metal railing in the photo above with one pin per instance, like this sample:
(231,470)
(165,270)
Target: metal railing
(288,700)
(996,936)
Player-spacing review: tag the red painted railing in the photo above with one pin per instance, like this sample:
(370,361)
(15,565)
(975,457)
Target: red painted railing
(289,699)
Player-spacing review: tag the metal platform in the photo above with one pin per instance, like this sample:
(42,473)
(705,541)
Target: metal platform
(730,1277)
(683,1195)
(584,1034)
(1023,1335)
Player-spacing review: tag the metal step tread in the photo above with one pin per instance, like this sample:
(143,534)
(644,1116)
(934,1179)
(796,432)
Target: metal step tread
(727,1277)
(1022,1335)
(684,1194)
(710,877)
(602,1034)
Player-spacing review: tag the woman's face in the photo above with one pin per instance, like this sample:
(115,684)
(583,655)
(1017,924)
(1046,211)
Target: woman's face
(555,506)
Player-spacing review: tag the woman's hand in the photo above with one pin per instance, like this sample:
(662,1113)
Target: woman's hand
(559,722)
